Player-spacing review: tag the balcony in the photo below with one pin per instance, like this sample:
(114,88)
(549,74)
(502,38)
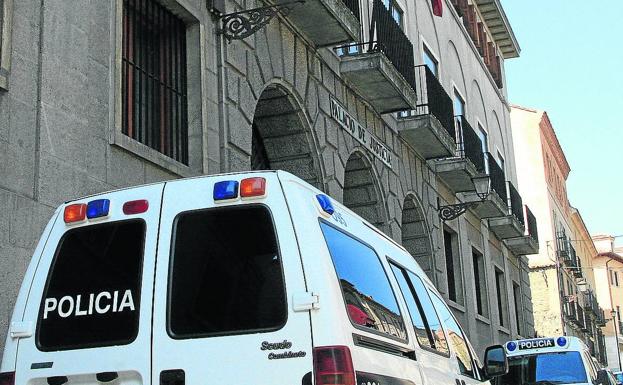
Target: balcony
(529,242)
(382,69)
(600,320)
(457,172)
(496,203)
(429,129)
(327,22)
(512,224)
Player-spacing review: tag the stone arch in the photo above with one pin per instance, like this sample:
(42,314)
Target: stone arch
(498,130)
(362,193)
(478,105)
(282,138)
(457,73)
(416,236)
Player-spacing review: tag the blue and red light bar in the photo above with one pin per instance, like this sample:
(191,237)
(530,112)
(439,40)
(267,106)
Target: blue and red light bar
(228,190)
(100,209)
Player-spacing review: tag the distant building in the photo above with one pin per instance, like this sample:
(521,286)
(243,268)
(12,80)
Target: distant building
(561,275)
(608,268)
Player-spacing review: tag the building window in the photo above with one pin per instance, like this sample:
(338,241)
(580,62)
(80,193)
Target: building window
(518,306)
(480,281)
(6,13)
(500,287)
(453,266)
(430,61)
(154,82)
(614,278)
(396,11)
(459,110)
(500,161)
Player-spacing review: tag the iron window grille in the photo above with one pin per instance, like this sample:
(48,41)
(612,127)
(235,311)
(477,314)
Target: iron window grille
(154,78)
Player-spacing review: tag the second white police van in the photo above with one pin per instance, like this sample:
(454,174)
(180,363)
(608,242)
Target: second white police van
(254,278)
(554,360)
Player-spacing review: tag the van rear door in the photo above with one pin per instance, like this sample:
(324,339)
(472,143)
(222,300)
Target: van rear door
(88,312)
(222,314)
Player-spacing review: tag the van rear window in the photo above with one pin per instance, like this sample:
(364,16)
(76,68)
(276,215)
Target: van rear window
(226,275)
(92,293)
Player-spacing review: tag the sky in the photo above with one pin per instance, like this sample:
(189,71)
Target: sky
(571,66)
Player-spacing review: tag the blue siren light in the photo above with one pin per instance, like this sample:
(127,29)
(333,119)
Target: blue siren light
(227,189)
(98,208)
(561,341)
(325,203)
(511,346)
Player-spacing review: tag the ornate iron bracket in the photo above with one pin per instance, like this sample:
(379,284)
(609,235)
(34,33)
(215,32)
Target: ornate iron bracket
(242,24)
(450,212)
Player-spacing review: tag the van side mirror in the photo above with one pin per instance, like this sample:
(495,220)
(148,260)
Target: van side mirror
(602,377)
(496,362)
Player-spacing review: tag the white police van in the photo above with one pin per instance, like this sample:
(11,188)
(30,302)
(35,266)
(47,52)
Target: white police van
(254,278)
(552,360)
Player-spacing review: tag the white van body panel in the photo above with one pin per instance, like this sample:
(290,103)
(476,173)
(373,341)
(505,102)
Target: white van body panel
(10,347)
(130,361)
(194,355)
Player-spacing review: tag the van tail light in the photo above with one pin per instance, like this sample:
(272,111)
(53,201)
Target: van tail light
(7,378)
(333,365)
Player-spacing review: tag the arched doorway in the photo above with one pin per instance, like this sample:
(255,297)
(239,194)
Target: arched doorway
(281,139)
(361,193)
(416,235)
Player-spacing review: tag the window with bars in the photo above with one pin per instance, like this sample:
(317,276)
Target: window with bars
(154,83)
(6,11)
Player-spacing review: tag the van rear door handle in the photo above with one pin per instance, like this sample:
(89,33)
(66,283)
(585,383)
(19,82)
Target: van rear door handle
(172,377)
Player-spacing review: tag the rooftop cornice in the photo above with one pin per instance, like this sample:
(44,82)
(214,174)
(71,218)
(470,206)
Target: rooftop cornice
(499,26)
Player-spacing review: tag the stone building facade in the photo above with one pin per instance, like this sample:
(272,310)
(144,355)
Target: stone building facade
(115,93)
(563,271)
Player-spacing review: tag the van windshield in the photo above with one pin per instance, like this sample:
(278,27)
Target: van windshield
(93,290)
(545,368)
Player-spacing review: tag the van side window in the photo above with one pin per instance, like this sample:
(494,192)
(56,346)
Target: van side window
(370,301)
(226,275)
(456,336)
(427,327)
(93,292)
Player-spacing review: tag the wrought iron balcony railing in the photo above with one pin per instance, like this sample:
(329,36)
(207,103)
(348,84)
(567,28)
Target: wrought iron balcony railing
(385,36)
(531,228)
(469,145)
(353,5)
(498,180)
(515,203)
(432,99)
